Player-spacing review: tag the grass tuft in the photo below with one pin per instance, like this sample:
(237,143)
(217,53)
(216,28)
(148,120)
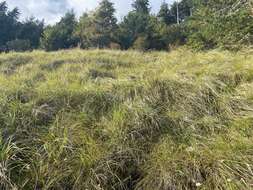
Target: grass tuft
(126,120)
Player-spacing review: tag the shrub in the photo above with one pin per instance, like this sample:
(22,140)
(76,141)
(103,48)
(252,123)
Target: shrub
(115,46)
(19,45)
(141,43)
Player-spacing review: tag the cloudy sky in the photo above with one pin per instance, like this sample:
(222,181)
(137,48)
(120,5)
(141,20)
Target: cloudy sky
(52,10)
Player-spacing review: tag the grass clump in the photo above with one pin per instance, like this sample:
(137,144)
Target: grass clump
(126,120)
(220,163)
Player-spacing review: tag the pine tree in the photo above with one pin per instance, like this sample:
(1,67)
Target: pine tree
(226,23)
(31,30)
(141,6)
(182,9)
(139,28)
(105,23)
(135,25)
(9,24)
(61,35)
(165,15)
(84,31)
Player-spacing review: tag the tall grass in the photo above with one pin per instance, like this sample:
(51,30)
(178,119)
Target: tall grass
(126,120)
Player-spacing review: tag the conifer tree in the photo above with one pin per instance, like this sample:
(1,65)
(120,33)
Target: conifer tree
(165,15)
(104,23)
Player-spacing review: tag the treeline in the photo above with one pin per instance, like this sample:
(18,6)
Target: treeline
(196,23)
(15,35)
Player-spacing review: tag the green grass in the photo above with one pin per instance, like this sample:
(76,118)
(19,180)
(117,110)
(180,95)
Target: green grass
(115,120)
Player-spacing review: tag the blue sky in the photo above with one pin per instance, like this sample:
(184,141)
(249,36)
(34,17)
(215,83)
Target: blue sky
(52,10)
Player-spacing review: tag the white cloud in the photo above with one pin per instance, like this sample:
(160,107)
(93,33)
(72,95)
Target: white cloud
(52,10)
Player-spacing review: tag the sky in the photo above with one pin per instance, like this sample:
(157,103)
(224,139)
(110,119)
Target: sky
(52,10)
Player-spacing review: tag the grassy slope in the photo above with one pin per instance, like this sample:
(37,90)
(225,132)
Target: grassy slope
(126,120)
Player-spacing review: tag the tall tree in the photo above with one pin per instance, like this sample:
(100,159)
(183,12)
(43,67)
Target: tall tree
(136,25)
(8,24)
(61,35)
(182,9)
(221,23)
(31,30)
(84,30)
(141,6)
(105,24)
(165,14)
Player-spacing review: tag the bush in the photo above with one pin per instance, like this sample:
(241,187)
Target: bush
(141,43)
(213,26)
(19,45)
(3,49)
(198,42)
(115,46)
(61,35)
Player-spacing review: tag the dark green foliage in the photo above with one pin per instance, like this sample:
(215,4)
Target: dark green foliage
(61,35)
(139,29)
(226,24)
(185,8)
(52,39)
(83,30)
(203,25)
(133,26)
(31,30)
(165,14)
(141,6)
(15,35)
(174,35)
(98,28)
(104,23)
(8,23)
(18,45)
(200,24)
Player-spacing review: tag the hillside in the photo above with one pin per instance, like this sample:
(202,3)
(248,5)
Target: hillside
(101,119)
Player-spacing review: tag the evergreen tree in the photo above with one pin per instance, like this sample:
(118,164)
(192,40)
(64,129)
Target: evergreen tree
(185,8)
(104,24)
(84,31)
(15,35)
(135,25)
(8,24)
(32,31)
(61,35)
(203,25)
(165,14)
(141,6)
(221,23)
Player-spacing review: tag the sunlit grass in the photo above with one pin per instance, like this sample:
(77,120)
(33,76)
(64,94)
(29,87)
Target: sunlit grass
(102,119)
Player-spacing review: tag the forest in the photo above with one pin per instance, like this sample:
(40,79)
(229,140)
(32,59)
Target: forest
(201,25)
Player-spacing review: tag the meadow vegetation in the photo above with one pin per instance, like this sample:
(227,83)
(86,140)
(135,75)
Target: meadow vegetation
(126,120)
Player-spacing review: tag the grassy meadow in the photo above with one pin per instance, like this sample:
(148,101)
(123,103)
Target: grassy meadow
(126,120)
